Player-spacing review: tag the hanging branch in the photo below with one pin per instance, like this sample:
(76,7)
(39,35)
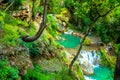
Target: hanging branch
(81,44)
(42,26)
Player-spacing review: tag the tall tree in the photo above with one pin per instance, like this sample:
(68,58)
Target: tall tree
(92,10)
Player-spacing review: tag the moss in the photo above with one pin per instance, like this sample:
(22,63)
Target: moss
(87,42)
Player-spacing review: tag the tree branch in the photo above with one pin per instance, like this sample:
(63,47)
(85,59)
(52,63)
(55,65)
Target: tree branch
(81,44)
(86,34)
(109,11)
(10,5)
(42,26)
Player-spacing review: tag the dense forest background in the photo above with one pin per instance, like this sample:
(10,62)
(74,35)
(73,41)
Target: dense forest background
(30,38)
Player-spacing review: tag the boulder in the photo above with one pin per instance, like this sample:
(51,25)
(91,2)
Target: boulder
(86,67)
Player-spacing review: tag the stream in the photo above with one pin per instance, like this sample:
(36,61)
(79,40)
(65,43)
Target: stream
(91,56)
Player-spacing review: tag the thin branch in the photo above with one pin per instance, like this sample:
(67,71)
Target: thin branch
(109,11)
(96,10)
(9,5)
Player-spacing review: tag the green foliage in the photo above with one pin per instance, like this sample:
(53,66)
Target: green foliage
(55,6)
(10,35)
(52,25)
(104,31)
(69,3)
(13,29)
(31,46)
(87,42)
(107,60)
(64,75)
(8,72)
(35,74)
(16,4)
(79,72)
(38,74)
(117,47)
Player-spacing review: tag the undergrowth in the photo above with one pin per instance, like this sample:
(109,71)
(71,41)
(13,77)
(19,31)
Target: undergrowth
(7,72)
(38,74)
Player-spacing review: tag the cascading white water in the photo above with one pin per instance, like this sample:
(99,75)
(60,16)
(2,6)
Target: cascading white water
(69,32)
(90,64)
(91,56)
(88,61)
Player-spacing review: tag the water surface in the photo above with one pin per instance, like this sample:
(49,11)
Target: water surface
(101,73)
(69,41)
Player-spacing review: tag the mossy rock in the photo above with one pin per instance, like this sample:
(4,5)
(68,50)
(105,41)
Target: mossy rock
(87,42)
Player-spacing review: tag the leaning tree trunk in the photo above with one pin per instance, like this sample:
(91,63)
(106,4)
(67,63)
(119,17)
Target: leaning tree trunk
(42,26)
(90,28)
(81,44)
(117,68)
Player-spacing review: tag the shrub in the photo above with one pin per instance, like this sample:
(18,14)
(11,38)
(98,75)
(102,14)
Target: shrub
(31,46)
(35,74)
(107,60)
(117,47)
(8,72)
(87,42)
(63,75)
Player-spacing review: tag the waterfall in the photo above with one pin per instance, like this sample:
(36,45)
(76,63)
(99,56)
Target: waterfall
(90,65)
(69,32)
(91,56)
(88,61)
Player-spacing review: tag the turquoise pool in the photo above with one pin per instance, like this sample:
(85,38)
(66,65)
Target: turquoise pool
(69,41)
(101,73)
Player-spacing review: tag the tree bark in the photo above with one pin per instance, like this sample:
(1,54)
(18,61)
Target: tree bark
(42,26)
(117,68)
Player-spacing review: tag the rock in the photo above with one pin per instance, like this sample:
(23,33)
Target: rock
(17,56)
(86,67)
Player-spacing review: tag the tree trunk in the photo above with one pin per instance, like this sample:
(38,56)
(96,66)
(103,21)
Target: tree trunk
(81,44)
(117,68)
(90,29)
(42,26)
